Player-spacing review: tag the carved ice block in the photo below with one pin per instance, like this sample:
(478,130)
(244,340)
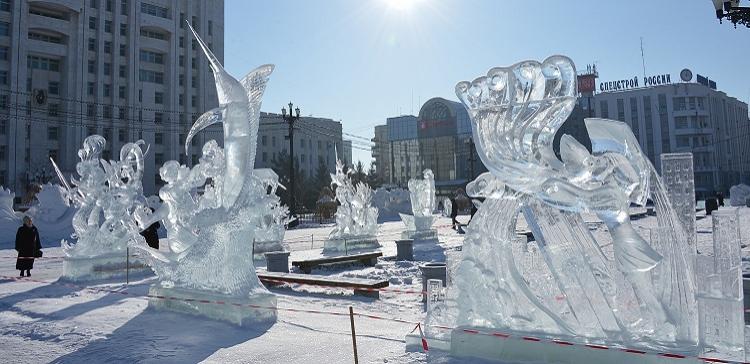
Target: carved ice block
(678,177)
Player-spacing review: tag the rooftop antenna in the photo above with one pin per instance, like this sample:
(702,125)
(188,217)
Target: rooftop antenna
(643,59)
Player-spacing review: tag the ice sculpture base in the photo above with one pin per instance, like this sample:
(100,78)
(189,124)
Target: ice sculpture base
(256,309)
(350,243)
(420,235)
(262,247)
(517,350)
(102,267)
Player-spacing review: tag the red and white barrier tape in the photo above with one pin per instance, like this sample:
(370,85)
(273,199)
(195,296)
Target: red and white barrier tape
(499,335)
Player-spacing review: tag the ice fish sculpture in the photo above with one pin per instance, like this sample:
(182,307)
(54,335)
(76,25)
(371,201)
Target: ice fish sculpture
(634,296)
(210,236)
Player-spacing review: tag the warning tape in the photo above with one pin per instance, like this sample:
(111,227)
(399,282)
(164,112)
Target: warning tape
(495,334)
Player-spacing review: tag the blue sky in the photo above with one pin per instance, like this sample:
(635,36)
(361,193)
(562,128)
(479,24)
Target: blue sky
(361,61)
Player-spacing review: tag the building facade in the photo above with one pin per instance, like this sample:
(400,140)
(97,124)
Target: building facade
(315,140)
(687,117)
(123,69)
(381,154)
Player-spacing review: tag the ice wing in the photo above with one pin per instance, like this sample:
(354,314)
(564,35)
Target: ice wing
(209,118)
(254,84)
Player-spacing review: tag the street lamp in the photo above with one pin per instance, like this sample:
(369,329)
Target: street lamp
(290,120)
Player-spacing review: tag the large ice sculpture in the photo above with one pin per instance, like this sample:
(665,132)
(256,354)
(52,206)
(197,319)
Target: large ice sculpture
(356,220)
(677,174)
(269,236)
(52,213)
(210,236)
(422,192)
(637,295)
(391,202)
(106,193)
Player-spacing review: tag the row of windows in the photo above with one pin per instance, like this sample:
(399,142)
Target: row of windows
(47,13)
(151,57)
(153,34)
(43,63)
(689,103)
(45,38)
(151,76)
(155,10)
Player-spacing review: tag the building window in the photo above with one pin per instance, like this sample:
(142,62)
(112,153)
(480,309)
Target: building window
(158,158)
(94,4)
(153,34)
(264,140)
(92,66)
(140,96)
(90,89)
(3,77)
(158,97)
(43,63)
(108,26)
(679,103)
(4,5)
(195,23)
(181,99)
(53,110)
(53,87)
(182,42)
(107,90)
(92,23)
(122,91)
(122,113)
(181,80)
(193,101)
(92,44)
(620,109)
(158,117)
(123,50)
(45,38)
(151,57)
(123,29)
(194,44)
(91,111)
(194,63)
(604,109)
(124,7)
(154,10)
(121,134)
(182,20)
(210,28)
(265,157)
(4,53)
(107,47)
(151,76)
(195,82)
(158,138)
(273,140)
(4,28)
(109,5)
(52,154)
(123,72)
(107,69)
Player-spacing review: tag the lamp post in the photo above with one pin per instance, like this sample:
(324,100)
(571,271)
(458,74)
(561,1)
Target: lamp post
(290,120)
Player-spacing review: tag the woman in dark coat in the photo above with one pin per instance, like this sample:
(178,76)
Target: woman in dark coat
(27,245)
(454,214)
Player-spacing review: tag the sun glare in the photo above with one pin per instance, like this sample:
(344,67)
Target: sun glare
(401,5)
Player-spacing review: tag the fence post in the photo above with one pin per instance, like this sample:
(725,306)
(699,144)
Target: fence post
(127,265)
(312,241)
(346,249)
(253,256)
(354,335)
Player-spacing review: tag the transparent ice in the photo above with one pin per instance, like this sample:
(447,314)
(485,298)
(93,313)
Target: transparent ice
(738,194)
(391,202)
(422,193)
(210,236)
(52,213)
(566,285)
(106,194)
(355,216)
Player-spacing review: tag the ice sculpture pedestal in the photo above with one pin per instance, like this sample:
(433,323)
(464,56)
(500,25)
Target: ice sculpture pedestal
(83,269)
(419,228)
(335,245)
(252,310)
(515,349)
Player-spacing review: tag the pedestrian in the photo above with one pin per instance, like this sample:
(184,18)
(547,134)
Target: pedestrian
(28,246)
(151,234)
(454,213)
(720,197)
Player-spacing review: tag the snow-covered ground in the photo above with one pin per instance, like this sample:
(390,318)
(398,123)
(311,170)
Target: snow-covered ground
(42,320)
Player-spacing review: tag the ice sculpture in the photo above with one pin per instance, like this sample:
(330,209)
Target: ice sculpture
(422,192)
(640,295)
(738,195)
(52,213)
(356,220)
(210,236)
(269,236)
(391,202)
(105,194)
(677,174)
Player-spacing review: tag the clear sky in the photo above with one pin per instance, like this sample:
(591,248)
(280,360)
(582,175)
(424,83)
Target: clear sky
(361,61)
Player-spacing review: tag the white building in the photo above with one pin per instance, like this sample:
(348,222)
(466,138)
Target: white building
(347,153)
(686,117)
(124,69)
(314,141)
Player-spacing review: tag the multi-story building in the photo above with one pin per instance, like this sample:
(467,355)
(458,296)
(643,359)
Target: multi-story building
(686,117)
(124,69)
(381,153)
(346,157)
(315,140)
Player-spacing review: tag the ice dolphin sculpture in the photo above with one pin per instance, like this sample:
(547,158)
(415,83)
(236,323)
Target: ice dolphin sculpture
(239,106)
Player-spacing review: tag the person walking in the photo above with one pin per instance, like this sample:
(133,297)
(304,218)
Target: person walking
(28,246)
(454,214)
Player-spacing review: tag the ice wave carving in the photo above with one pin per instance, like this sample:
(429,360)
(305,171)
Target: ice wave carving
(515,113)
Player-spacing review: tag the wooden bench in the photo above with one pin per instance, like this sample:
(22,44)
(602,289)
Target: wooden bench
(366,258)
(362,287)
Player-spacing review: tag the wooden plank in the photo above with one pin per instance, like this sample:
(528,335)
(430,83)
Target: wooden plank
(323,280)
(341,258)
